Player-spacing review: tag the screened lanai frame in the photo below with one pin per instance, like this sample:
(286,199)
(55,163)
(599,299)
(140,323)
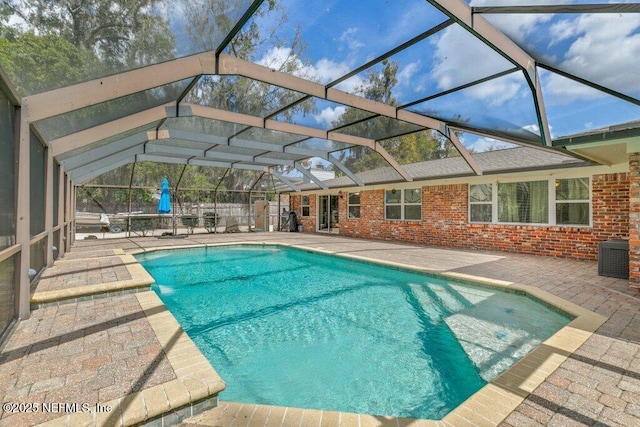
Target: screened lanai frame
(171,126)
(223,65)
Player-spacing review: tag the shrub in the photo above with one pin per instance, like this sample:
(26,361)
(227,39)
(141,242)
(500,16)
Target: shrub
(210,221)
(190,221)
(141,225)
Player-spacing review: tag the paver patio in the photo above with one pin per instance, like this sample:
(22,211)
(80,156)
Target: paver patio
(104,348)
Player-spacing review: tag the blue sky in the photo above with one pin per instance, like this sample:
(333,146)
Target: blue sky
(339,35)
(604,48)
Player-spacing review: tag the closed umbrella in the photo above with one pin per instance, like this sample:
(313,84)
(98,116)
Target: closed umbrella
(164,206)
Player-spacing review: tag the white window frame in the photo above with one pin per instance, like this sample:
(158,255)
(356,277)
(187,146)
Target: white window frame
(403,204)
(552,211)
(349,205)
(491,203)
(551,203)
(303,205)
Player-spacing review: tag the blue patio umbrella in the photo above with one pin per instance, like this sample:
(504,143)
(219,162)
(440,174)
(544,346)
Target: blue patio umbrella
(164,206)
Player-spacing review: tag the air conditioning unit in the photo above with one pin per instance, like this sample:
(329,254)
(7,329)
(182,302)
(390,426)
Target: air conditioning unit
(613,258)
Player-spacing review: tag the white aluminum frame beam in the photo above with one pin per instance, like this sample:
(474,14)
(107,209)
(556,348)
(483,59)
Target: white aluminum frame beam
(542,112)
(470,160)
(560,8)
(97,172)
(67,143)
(221,155)
(300,167)
(173,150)
(104,151)
(337,163)
(227,165)
(23,213)
(285,180)
(463,14)
(104,162)
(81,95)
(230,65)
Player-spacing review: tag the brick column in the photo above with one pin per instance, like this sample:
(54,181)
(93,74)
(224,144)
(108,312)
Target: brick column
(634,219)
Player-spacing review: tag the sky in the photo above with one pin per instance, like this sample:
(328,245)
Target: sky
(603,48)
(340,35)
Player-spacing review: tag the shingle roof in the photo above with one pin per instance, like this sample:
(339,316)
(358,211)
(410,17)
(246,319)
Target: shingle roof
(490,162)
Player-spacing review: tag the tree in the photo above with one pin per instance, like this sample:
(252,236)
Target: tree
(232,93)
(69,41)
(122,33)
(240,94)
(410,146)
(33,62)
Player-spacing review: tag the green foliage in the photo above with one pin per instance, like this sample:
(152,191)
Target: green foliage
(119,32)
(210,221)
(46,45)
(406,148)
(38,63)
(113,200)
(189,221)
(141,225)
(240,94)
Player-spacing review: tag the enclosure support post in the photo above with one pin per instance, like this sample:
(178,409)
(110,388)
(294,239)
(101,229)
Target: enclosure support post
(61,208)
(133,168)
(249,211)
(279,214)
(215,199)
(23,213)
(48,207)
(175,196)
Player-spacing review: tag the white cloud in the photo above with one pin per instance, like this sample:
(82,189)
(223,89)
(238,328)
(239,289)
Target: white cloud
(498,91)
(408,71)
(328,116)
(522,27)
(326,70)
(350,85)
(487,144)
(563,91)
(461,59)
(607,50)
(323,71)
(349,39)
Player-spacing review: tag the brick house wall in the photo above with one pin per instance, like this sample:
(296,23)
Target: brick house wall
(444,222)
(634,223)
(308,222)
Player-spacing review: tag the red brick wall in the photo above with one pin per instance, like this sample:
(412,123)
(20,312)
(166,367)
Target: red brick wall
(308,222)
(634,216)
(444,223)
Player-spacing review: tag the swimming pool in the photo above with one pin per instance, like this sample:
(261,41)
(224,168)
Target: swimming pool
(288,327)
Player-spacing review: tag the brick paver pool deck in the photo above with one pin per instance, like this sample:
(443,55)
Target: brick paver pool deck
(97,335)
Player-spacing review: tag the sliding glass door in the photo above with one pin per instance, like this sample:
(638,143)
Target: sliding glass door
(328,213)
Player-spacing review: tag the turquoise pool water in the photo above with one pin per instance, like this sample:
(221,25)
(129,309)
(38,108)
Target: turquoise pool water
(292,328)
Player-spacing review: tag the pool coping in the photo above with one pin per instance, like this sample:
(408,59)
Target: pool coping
(196,386)
(194,390)
(496,400)
(140,281)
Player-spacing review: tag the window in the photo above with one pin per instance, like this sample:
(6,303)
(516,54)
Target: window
(480,203)
(403,204)
(523,202)
(304,204)
(572,201)
(354,205)
(563,201)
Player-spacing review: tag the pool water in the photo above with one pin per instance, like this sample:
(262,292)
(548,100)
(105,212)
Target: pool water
(288,327)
